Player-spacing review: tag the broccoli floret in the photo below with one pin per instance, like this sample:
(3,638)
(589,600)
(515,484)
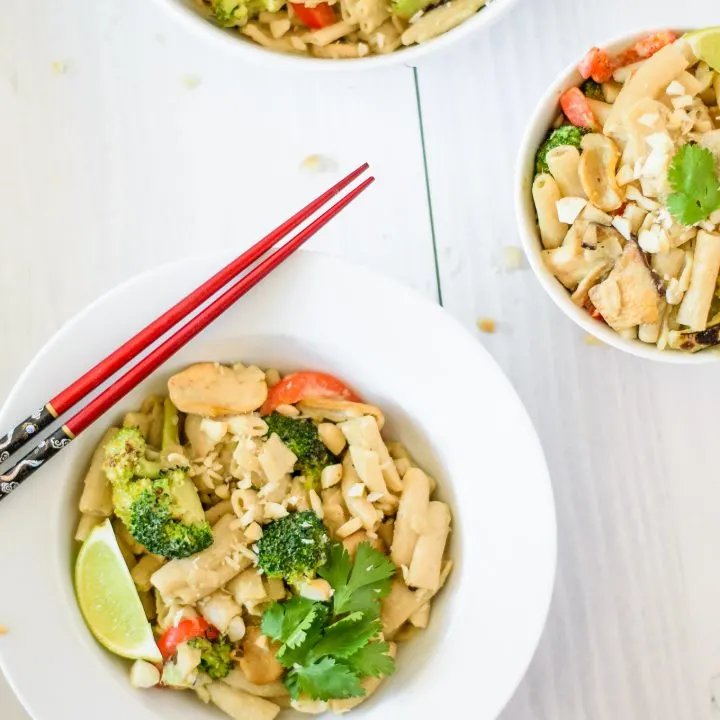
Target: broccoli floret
(593,90)
(236,13)
(293,547)
(165,514)
(125,457)
(302,437)
(564,135)
(160,508)
(216,660)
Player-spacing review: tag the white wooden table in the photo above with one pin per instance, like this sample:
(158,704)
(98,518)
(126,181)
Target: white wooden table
(124,142)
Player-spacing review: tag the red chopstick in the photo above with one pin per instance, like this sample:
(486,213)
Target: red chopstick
(28,429)
(49,447)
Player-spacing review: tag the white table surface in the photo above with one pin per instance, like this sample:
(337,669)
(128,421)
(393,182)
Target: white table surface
(118,163)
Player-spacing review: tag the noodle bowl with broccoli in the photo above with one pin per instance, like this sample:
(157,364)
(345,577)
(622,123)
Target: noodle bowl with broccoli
(279,546)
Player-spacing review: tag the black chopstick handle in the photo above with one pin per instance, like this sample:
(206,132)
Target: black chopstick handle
(25,431)
(34,460)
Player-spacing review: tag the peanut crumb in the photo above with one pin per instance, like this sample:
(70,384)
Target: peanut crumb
(592,340)
(511,258)
(486,325)
(191,81)
(3,630)
(59,67)
(317,164)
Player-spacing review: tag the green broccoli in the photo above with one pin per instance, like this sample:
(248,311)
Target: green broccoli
(216,660)
(125,457)
(564,135)
(237,13)
(302,437)
(293,547)
(160,508)
(593,90)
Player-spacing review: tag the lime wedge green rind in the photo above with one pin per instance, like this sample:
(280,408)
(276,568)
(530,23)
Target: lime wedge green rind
(108,599)
(705,44)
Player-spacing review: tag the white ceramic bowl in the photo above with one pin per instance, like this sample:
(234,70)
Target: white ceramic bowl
(445,399)
(540,122)
(231,40)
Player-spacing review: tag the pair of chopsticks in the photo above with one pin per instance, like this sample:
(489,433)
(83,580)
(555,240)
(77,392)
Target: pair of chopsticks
(30,428)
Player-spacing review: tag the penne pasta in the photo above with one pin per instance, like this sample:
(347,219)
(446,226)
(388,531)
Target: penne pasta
(546,194)
(694,309)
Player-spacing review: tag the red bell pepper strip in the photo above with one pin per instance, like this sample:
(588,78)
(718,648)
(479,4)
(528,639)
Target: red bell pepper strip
(298,386)
(577,109)
(185,630)
(319,16)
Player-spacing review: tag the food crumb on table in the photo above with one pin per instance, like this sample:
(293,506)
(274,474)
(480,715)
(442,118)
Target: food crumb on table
(486,325)
(592,340)
(191,81)
(317,164)
(510,258)
(3,630)
(59,67)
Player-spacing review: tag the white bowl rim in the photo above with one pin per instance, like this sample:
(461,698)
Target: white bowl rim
(528,226)
(541,592)
(204,29)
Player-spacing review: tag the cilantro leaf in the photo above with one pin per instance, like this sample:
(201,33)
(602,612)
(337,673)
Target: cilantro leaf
(323,680)
(369,581)
(345,637)
(326,648)
(303,640)
(338,566)
(298,635)
(280,620)
(272,621)
(373,660)
(693,177)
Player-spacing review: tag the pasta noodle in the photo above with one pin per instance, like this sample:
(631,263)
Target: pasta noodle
(546,194)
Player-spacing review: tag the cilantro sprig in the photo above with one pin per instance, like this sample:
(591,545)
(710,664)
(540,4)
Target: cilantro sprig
(328,648)
(693,177)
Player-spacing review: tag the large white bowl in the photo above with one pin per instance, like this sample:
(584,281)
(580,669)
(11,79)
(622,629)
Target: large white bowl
(186,11)
(444,397)
(540,122)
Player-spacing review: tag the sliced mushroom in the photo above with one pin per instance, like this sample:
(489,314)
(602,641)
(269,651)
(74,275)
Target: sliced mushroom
(598,168)
(338,411)
(628,296)
(258,663)
(211,389)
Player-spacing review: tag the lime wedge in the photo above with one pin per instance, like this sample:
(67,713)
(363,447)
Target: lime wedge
(706,45)
(108,598)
